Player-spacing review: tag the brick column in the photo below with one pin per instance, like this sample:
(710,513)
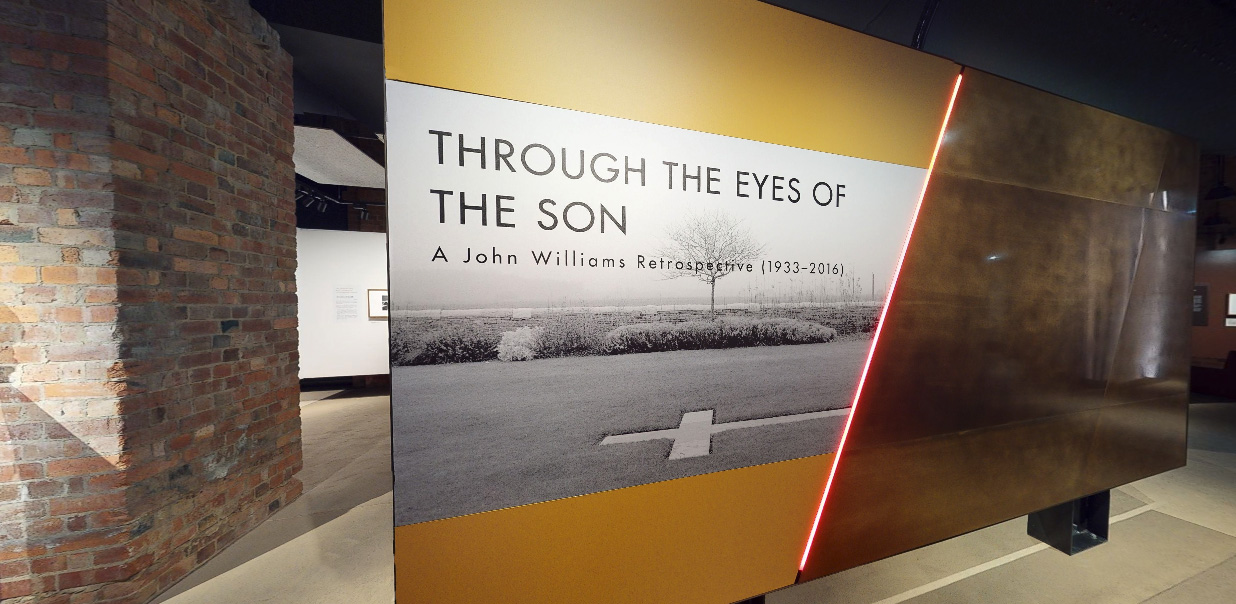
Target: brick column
(148,398)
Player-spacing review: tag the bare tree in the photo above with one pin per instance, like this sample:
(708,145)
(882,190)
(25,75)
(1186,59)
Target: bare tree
(709,246)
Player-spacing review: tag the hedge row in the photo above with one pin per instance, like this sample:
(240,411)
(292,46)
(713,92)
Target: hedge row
(724,333)
(575,336)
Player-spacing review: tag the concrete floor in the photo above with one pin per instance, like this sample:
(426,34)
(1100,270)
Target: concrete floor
(1173,536)
(333,545)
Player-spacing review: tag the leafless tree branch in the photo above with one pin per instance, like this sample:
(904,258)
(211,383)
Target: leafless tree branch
(711,246)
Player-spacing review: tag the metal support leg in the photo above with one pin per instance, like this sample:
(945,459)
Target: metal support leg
(1074,526)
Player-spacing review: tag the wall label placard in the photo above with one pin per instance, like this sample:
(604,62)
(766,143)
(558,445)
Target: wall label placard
(347,303)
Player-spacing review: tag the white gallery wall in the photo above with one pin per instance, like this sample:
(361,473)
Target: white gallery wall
(334,271)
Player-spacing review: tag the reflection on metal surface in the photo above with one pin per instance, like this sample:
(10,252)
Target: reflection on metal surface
(880,325)
(1013,134)
(1035,349)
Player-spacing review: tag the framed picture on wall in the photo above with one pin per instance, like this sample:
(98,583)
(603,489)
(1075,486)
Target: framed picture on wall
(379,304)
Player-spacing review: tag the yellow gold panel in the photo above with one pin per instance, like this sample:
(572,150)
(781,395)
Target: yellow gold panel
(718,537)
(738,68)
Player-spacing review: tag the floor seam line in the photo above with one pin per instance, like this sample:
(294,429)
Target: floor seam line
(1197,524)
(1187,579)
(998,562)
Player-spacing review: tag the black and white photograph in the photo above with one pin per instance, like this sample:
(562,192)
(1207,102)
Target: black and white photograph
(379,304)
(581,303)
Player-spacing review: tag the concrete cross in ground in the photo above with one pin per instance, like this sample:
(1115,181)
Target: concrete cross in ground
(693,436)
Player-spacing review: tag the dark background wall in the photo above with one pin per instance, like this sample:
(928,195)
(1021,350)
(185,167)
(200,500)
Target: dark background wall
(1216,266)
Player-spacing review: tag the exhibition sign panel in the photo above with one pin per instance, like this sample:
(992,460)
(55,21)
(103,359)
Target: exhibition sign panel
(694,300)
(583,303)
(775,104)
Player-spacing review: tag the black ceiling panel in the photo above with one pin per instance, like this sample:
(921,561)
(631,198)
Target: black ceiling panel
(1170,64)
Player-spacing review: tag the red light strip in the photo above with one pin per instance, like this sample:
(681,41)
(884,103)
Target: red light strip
(880,326)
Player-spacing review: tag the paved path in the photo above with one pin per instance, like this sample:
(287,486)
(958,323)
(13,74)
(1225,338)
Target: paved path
(479,436)
(693,437)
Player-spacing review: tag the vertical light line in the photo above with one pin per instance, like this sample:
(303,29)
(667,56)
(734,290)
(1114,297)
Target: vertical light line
(880,326)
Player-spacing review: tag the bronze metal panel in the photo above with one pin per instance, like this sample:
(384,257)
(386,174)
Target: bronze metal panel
(960,481)
(1008,309)
(1152,356)
(1180,176)
(1006,132)
(1035,349)
(965,481)
(1135,440)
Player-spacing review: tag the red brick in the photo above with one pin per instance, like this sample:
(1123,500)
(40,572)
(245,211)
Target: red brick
(67,314)
(63,506)
(19,314)
(32,177)
(45,158)
(14,156)
(61,62)
(16,589)
(48,565)
(195,266)
(79,467)
(61,274)
(79,122)
(111,574)
(109,518)
(180,442)
(26,56)
(41,489)
(40,373)
(15,116)
(195,235)
(91,237)
(15,568)
(79,390)
(141,86)
(100,295)
(67,44)
(139,156)
(197,175)
(102,314)
(18,274)
(70,580)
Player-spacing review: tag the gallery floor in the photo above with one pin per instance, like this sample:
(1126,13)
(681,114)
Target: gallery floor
(1173,537)
(333,544)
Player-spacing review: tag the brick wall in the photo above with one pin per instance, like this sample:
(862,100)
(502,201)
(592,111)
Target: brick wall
(148,397)
(61,508)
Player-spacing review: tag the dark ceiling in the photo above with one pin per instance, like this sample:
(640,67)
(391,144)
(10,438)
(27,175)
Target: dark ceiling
(1167,63)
